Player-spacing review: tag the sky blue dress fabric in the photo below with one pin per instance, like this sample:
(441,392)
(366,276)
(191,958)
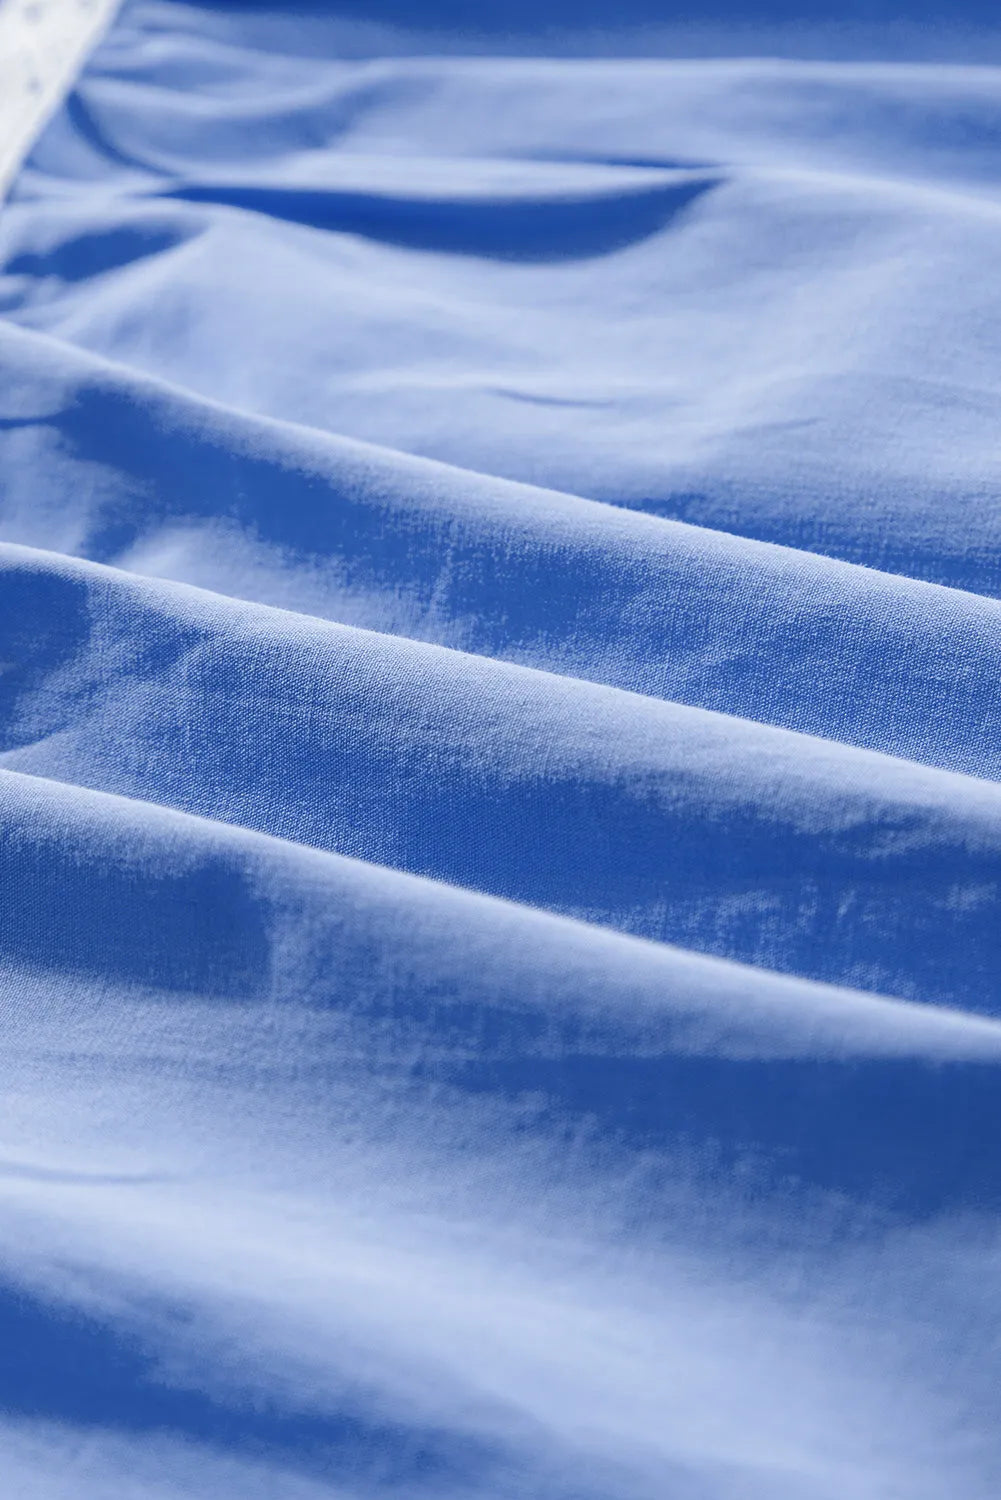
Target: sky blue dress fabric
(500,761)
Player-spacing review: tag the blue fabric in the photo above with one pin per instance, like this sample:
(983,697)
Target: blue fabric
(500,627)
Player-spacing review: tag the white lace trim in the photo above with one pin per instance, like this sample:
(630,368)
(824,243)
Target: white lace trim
(43,45)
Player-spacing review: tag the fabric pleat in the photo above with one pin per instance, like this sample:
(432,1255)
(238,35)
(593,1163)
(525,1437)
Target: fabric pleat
(500,760)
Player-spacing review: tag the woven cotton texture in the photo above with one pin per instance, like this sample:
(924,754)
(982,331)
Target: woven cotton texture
(500,768)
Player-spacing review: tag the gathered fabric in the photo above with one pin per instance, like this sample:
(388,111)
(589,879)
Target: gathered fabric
(500,769)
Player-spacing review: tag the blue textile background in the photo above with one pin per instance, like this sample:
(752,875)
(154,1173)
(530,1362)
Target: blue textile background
(500,743)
